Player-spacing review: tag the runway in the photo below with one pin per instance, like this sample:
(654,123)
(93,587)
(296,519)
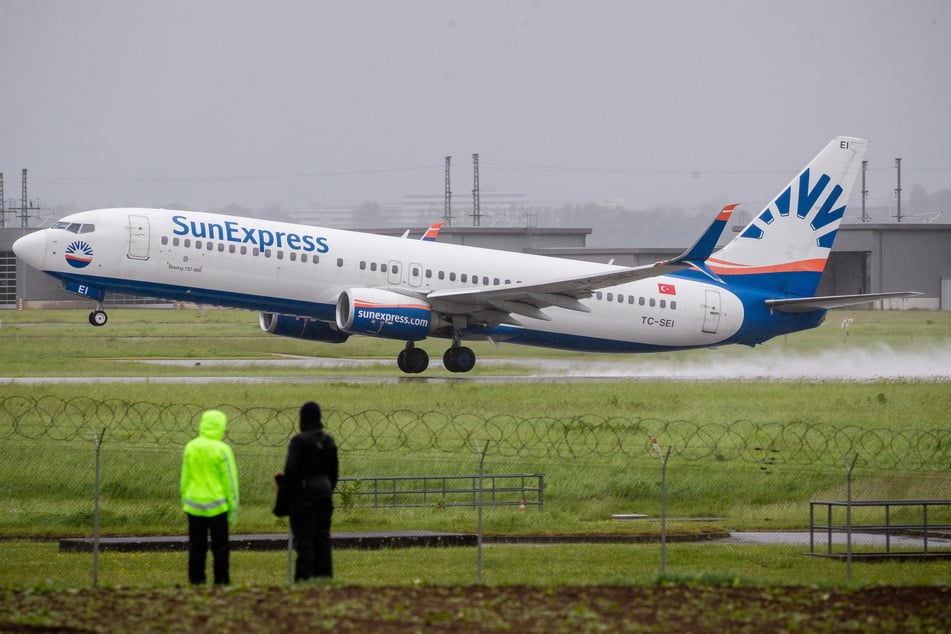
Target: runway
(853,365)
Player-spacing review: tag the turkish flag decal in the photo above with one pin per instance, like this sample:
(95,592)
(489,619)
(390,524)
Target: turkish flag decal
(666,289)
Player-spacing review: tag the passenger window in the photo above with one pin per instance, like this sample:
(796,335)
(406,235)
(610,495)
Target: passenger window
(303,257)
(663,303)
(382,268)
(452,277)
(441,275)
(363,265)
(610,297)
(653,302)
(340,262)
(463,278)
(673,304)
(640,301)
(164,239)
(187,243)
(598,295)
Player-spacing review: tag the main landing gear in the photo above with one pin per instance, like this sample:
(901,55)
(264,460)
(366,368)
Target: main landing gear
(413,360)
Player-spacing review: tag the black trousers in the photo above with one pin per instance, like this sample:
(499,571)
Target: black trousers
(310,523)
(198,530)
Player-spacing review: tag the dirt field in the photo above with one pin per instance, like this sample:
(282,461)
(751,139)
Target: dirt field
(671,608)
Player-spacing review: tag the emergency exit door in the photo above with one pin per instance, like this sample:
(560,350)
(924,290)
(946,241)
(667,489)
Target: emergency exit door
(711,315)
(139,237)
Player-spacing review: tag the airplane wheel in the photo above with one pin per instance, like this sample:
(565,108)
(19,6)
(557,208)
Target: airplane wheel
(418,360)
(412,360)
(98,318)
(459,359)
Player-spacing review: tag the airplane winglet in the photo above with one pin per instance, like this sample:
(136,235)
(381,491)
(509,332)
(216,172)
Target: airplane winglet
(432,232)
(706,243)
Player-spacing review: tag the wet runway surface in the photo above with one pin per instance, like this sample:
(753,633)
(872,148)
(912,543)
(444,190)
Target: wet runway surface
(925,364)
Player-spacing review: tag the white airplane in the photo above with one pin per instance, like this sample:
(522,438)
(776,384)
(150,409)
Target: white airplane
(327,284)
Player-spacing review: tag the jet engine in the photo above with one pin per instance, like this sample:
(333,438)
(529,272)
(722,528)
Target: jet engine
(301,328)
(379,313)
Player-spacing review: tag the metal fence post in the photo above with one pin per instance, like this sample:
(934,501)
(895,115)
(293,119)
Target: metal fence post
(481,453)
(663,503)
(848,516)
(97,441)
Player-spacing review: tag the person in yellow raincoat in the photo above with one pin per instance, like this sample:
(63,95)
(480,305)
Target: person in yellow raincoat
(209,497)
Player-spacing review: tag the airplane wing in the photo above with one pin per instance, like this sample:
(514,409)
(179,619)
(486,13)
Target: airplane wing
(808,304)
(499,304)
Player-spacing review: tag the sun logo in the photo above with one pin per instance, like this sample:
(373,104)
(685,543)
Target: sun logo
(78,254)
(810,202)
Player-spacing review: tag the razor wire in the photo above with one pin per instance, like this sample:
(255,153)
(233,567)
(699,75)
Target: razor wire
(586,437)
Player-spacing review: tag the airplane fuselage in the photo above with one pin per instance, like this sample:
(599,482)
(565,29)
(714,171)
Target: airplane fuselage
(328,284)
(302,270)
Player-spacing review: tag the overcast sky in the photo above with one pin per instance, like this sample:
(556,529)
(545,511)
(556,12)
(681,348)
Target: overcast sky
(300,103)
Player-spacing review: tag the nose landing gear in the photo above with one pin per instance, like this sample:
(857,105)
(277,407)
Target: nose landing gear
(98,317)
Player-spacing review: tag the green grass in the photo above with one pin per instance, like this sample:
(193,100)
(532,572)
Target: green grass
(62,343)
(48,477)
(32,564)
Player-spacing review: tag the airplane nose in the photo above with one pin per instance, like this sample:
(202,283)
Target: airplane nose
(31,248)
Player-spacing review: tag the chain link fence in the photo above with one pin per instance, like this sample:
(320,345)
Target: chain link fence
(746,474)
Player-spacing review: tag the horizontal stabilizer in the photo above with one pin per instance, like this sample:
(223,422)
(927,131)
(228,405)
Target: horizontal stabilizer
(809,304)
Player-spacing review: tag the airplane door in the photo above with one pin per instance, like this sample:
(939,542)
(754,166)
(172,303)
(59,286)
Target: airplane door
(139,237)
(711,316)
(394,272)
(415,274)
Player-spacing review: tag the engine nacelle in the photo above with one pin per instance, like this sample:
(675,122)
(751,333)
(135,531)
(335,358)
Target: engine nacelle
(301,328)
(379,313)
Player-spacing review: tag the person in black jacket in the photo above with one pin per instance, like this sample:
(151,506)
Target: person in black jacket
(309,479)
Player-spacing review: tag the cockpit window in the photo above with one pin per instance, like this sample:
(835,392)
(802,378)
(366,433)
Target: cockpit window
(74,227)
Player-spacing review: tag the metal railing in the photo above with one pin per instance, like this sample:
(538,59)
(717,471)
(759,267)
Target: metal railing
(504,489)
(885,526)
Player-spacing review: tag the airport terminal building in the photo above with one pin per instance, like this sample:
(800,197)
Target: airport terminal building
(866,258)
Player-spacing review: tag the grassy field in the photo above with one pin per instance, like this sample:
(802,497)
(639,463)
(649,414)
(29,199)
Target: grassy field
(139,478)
